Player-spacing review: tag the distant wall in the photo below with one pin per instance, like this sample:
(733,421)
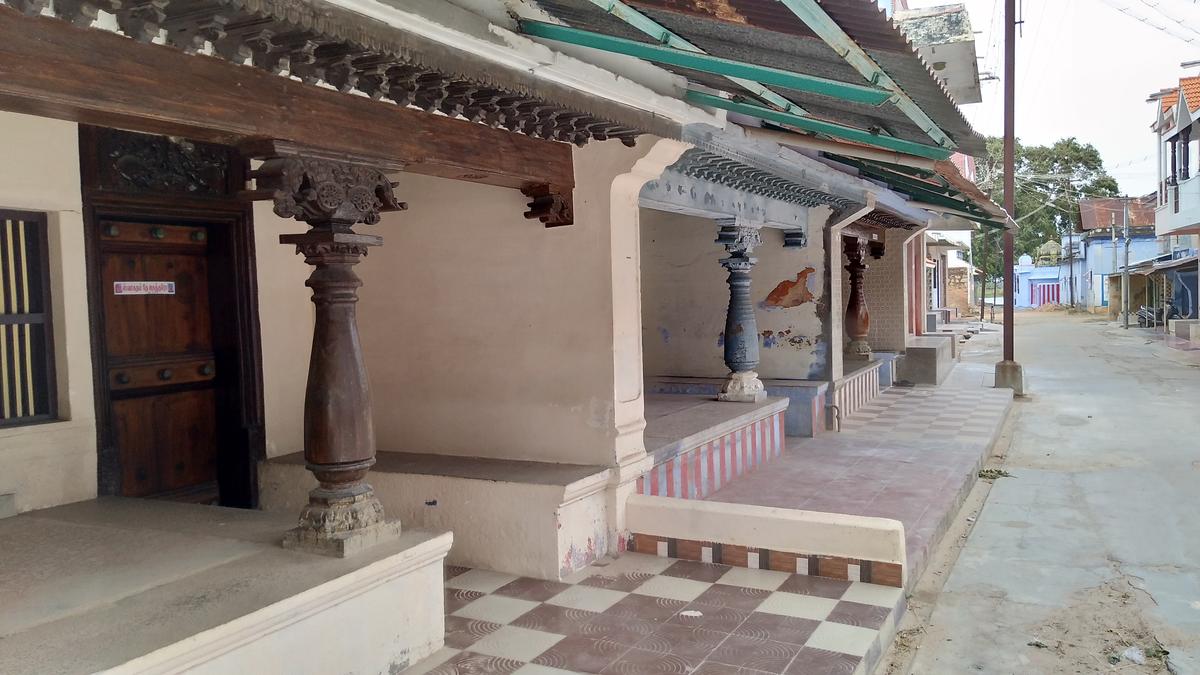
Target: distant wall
(685,296)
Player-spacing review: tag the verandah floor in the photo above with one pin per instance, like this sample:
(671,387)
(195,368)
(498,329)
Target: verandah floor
(910,455)
(646,615)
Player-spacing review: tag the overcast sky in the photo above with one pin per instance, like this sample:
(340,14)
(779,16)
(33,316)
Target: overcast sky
(1084,69)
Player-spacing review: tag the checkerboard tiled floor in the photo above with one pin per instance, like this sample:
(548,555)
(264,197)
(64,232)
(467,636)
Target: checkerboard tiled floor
(966,413)
(645,615)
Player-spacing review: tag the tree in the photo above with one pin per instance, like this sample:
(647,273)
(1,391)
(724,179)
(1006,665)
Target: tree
(1050,181)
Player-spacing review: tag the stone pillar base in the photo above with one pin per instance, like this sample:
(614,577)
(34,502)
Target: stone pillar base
(341,523)
(743,387)
(1010,375)
(858,350)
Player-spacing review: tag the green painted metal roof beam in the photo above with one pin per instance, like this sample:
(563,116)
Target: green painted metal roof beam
(706,63)
(820,126)
(828,30)
(663,35)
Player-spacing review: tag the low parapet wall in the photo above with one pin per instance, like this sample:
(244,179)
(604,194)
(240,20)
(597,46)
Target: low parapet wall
(839,546)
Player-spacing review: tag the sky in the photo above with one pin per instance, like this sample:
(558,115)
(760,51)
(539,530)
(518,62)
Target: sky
(1085,69)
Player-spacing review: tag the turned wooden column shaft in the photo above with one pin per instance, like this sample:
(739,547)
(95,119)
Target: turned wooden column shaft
(858,319)
(332,196)
(741,326)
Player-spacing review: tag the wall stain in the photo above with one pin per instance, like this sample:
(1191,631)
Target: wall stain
(790,293)
(786,338)
(721,339)
(665,334)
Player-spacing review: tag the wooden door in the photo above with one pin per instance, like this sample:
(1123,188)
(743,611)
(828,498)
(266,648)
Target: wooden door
(161,367)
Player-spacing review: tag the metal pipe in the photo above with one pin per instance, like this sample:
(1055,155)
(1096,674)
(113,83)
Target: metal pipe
(1010,198)
(1125,270)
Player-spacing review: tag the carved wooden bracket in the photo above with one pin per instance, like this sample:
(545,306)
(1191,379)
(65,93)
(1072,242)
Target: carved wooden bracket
(550,204)
(337,192)
(876,249)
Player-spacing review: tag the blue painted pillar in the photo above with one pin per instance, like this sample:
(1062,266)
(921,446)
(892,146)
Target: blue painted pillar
(741,328)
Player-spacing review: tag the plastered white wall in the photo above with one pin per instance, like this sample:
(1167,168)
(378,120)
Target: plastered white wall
(487,334)
(285,314)
(54,463)
(685,297)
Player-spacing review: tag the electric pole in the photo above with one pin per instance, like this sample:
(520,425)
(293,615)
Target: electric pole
(1125,270)
(1009,373)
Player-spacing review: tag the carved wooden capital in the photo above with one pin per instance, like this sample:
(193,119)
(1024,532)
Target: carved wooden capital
(550,204)
(739,240)
(325,191)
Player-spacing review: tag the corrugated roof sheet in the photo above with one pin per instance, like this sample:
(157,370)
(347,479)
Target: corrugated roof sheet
(765,32)
(1099,212)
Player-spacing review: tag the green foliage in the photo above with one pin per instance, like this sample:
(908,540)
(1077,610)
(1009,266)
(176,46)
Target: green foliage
(1050,180)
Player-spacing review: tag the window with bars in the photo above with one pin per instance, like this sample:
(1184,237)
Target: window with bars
(28,392)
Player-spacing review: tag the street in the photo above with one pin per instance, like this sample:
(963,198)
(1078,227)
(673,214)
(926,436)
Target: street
(1092,545)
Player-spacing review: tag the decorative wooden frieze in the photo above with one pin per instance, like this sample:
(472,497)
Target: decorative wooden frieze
(326,191)
(132,162)
(320,42)
(550,204)
(723,170)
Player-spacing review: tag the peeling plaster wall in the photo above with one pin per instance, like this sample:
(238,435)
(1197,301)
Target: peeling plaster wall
(489,335)
(684,298)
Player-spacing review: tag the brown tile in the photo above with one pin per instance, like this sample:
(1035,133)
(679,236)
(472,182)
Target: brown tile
(581,654)
(737,597)
(691,643)
(469,663)
(712,617)
(696,571)
(531,589)
(858,614)
(618,629)
(555,619)
(830,567)
(462,632)
(789,629)
(734,556)
(622,582)
(645,543)
(646,608)
(687,549)
(755,653)
(818,586)
(641,662)
(457,598)
(886,574)
(451,571)
(781,561)
(809,661)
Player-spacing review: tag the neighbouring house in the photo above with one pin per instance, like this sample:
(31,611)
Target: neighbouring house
(1095,252)
(1038,284)
(603,267)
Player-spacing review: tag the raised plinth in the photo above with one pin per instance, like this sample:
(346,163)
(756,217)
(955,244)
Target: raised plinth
(1010,375)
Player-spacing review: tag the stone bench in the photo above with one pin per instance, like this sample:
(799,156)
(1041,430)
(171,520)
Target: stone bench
(1182,328)
(928,359)
(805,415)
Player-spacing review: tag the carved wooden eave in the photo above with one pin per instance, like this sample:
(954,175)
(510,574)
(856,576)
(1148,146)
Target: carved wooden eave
(318,42)
(710,166)
(886,220)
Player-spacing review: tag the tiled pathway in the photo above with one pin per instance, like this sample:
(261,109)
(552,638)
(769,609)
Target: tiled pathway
(645,615)
(911,454)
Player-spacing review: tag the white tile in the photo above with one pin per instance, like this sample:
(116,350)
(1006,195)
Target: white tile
(535,669)
(853,572)
(432,661)
(520,644)
(752,559)
(767,580)
(672,588)
(873,594)
(484,581)
(706,554)
(496,608)
(662,549)
(801,606)
(839,637)
(587,598)
(633,562)
(802,563)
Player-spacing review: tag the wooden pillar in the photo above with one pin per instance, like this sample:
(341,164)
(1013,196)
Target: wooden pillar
(1174,178)
(343,515)
(741,327)
(858,319)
